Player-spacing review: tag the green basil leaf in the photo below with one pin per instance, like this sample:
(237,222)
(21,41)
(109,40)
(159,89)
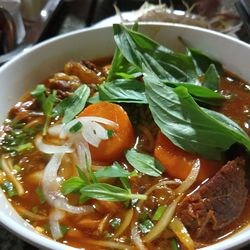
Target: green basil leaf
(94,99)
(139,49)
(211,78)
(120,67)
(103,191)
(73,184)
(188,126)
(173,69)
(82,175)
(123,90)
(72,105)
(202,61)
(125,183)
(144,163)
(113,171)
(200,94)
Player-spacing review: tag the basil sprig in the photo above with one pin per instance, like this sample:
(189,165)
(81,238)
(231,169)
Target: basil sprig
(104,191)
(174,69)
(90,187)
(46,102)
(72,105)
(190,127)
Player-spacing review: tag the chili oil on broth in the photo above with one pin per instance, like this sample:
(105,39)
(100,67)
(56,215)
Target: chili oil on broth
(81,228)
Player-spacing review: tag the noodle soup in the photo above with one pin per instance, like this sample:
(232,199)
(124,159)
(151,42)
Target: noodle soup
(132,152)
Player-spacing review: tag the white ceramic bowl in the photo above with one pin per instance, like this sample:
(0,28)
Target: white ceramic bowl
(26,70)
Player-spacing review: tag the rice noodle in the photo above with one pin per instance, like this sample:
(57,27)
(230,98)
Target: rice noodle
(6,165)
(51,149)
(127,220)
(102,224)
(135,236)
(55,229)
(51,188)
(163,222)
(181,232)
(55,130)
(189,181)
(30,215)
(108,244)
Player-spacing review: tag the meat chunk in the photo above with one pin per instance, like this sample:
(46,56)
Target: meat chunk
(85,71)
(217,203)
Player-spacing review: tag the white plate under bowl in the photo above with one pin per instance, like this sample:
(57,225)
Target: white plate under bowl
(26,70)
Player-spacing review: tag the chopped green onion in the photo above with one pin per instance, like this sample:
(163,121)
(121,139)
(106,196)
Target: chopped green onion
(17,168)
(110,133)
(75,127)
(39,193)
(158,213)
(146,226)
(8,187)
(143,216)
(34,209)
(174,244)
(23,147)
(64,229)
(115,223)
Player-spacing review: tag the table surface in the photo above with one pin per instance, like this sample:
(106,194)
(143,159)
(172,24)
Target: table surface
(78,14)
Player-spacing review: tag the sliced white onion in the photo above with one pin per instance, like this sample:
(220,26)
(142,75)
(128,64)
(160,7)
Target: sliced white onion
(163,222)
(85,120)
(189,181)
(55,229)
(83,155)
(55,130)
(135,236)
(51,188)
(51,149)
(100,131)
(89,135)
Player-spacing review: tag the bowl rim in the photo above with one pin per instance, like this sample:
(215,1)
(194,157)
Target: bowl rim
(39,240)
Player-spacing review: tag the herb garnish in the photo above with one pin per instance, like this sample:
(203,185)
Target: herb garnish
(18,139)
(113,171)
(144,163)
(174,69)
(123,90)
(91,188)
(188,126)
(104,191)
(46,102)
(72,105)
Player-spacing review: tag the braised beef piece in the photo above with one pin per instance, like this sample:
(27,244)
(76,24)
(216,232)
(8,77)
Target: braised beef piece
(217,203)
